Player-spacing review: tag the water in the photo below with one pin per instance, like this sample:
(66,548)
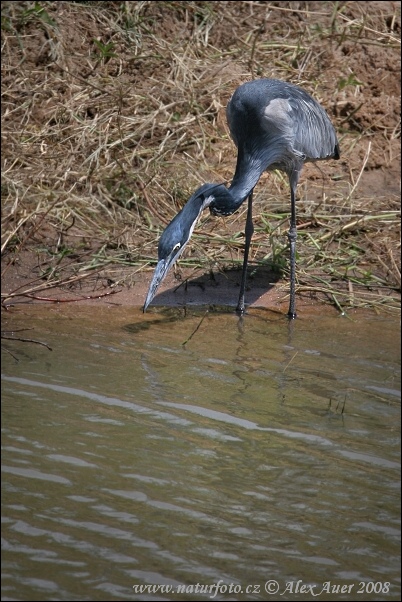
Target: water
(257,455)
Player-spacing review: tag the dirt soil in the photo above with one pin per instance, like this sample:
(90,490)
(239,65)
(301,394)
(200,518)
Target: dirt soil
(113,113)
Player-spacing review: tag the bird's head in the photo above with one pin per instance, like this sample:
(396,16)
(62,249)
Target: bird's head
(178,233)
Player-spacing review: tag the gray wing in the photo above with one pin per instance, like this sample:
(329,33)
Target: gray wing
(303,122)
(280,120)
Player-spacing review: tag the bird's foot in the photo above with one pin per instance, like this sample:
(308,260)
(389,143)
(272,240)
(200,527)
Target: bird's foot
(240,309)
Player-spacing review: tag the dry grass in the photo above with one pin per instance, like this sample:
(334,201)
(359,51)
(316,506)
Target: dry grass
(113,113)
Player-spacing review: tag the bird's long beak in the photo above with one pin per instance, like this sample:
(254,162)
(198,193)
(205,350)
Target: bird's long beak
(162,268)
(179,231)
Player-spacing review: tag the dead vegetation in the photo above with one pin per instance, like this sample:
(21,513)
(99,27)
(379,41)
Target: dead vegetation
(113,113)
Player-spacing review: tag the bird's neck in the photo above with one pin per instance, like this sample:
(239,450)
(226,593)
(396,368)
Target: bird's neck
(195,206)
(248,172)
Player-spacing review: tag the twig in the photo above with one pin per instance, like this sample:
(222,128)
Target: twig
(46,286)
(195,330)
(366,158)
(149,203)
(27,341)
(85,298)
(12,354)
(290,361)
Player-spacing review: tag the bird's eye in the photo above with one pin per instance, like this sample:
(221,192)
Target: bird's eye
(176,247)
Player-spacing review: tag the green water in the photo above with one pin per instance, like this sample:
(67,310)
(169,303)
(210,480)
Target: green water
(261,455)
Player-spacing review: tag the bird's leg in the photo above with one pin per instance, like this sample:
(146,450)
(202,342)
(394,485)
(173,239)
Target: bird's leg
(248,234)
(292,235)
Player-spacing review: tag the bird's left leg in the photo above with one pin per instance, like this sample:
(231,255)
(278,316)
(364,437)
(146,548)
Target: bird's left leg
(292,236)
(248,235)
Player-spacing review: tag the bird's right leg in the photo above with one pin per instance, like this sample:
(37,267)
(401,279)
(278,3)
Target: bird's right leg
(248,235)
(292,236)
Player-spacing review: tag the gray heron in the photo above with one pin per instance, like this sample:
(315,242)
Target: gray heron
(275,125)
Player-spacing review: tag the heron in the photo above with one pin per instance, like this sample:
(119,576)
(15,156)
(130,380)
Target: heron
(275,125)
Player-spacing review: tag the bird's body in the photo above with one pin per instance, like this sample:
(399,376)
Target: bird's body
(275,125)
